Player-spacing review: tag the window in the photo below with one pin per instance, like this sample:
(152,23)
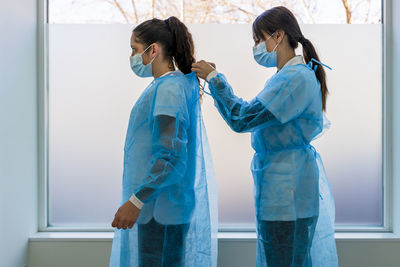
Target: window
(91,91)
(220,11)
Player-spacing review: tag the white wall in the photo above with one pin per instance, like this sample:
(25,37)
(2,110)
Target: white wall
(18,130)
(394,55)
(232,253)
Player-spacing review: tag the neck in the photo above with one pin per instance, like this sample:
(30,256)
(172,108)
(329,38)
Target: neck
(160,69)
(284,57)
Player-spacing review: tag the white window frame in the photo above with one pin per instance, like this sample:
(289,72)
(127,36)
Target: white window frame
(391,190)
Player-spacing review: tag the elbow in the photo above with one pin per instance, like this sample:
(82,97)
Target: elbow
(237,127)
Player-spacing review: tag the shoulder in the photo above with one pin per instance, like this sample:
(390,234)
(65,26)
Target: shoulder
(295,79)
(299,74)
(173,85)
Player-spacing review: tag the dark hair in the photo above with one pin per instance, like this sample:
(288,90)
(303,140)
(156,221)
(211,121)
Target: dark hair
(281,18)
(173,36)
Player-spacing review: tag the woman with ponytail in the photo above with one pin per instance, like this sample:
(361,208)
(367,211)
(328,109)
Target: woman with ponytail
(168,215)
(293,200)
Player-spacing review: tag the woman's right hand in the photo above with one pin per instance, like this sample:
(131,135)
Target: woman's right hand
(212,64)
(203,68)
(126,216)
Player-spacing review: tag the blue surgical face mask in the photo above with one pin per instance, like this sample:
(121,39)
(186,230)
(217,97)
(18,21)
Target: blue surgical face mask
(137,65)
(263,57)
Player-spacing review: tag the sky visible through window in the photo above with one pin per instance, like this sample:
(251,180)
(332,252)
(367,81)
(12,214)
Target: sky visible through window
(210,12)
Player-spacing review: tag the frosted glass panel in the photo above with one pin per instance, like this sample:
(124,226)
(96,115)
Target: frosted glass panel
(92,91)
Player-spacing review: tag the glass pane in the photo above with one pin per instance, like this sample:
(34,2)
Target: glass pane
(221,11)
(92,90)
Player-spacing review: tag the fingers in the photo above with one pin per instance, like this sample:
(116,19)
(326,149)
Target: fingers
(195,69)
(201,68)
(196,65)
(115,221)
(122,224)
(200,64)
(212,64)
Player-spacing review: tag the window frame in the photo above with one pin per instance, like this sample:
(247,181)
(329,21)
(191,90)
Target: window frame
(388,179)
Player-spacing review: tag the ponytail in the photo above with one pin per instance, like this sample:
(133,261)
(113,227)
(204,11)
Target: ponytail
(183,48)
(309,53)
(281,18)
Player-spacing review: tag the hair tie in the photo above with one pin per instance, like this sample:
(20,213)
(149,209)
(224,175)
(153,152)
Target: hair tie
(167,22)
(302,40)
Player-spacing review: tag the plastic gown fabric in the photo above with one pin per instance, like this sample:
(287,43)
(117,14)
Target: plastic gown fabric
(293,199)
(168,166)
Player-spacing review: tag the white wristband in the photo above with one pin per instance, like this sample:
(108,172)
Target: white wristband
(211,75)
(135,201)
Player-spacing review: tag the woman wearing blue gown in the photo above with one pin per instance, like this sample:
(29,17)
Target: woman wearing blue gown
(293,199)
(168,215)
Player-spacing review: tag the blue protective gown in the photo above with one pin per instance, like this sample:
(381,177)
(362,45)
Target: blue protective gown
(168,166)
(293,199)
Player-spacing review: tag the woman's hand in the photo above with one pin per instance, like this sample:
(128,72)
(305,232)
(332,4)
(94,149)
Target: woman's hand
(203,68)
(126,216)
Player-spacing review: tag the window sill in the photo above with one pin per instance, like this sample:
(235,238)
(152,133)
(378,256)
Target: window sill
(222,237)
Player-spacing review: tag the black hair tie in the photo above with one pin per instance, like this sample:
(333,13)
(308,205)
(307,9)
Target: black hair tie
(302,40)
(167,22)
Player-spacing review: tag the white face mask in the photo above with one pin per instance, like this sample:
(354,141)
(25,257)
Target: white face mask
(137,65)
(263,57)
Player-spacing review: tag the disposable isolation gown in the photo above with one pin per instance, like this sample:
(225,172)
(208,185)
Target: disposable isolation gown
(293,199)
(168,165)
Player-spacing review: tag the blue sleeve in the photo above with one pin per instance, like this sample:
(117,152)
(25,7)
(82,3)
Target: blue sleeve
(240,115)
(288,93)
(170,100)
(169,142)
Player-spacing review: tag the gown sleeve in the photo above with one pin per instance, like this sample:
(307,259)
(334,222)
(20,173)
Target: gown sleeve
(169,124)
(240,115)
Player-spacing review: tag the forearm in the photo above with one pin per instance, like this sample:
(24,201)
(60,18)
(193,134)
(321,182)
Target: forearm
(169,160)
(240,115)
(165,171)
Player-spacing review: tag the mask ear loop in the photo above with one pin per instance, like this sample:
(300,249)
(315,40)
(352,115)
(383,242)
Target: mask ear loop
(145,52)
(275,48)
(267,40)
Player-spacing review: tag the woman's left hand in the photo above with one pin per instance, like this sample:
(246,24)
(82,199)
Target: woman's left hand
(202,68)
(126,216)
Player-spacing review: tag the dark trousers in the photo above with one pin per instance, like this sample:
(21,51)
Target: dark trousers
(287,243)
(161,245)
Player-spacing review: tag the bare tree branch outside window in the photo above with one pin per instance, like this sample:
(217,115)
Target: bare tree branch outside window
(217,11)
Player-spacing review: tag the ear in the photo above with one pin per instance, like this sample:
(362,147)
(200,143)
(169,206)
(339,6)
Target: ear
(280,35)
(155,49)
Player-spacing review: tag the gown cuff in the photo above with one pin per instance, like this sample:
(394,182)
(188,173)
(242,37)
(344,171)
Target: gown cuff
(211,75)
(135,201)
